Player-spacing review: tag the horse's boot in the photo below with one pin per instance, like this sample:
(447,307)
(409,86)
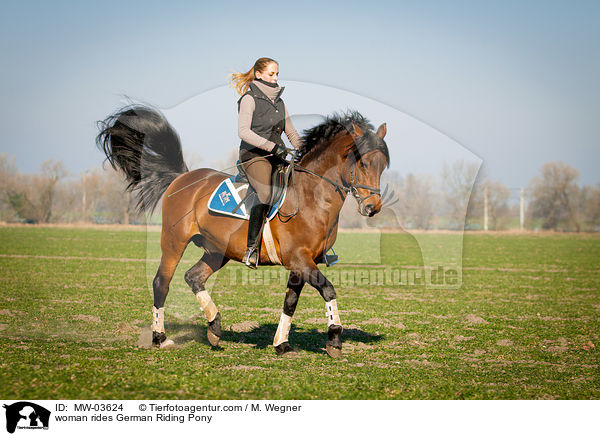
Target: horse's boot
(255,224)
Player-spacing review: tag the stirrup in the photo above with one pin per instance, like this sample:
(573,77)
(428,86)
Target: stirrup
(330,259)
(250,258)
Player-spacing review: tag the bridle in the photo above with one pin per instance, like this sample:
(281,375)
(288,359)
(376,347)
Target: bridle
(354,187)
(348,188)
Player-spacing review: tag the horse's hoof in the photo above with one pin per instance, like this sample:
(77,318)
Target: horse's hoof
(284,348)
(334,352)
(167,344)
(213,331)
(158,338)
(334,341)
(212,338)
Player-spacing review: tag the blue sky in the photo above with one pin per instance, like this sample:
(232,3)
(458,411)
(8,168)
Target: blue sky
(516,83)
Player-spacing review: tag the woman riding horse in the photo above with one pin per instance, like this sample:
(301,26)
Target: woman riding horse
(261,120)
(341,156)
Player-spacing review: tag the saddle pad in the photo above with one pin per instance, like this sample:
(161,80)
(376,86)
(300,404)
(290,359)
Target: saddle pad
(229,194)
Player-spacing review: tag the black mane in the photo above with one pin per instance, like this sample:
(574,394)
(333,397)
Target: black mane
(319,137)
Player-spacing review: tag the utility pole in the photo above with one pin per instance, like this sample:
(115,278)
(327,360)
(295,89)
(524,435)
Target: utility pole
(485,207)
(522,210)
(83,199)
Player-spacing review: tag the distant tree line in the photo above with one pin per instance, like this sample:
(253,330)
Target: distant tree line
(459,197)
(53,196)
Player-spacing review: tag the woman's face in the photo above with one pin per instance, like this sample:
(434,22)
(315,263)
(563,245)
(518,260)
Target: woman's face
(270,74)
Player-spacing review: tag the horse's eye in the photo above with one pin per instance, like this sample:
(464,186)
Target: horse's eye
(364,165)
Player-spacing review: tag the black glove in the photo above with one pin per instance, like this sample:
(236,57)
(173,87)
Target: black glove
(281,152)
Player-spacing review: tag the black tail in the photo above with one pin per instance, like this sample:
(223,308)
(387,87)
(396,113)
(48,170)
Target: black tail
(140,141)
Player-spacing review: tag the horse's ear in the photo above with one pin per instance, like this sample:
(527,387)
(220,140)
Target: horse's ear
(356,131)
(381,131)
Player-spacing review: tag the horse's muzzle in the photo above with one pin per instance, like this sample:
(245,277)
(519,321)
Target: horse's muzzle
(370,209)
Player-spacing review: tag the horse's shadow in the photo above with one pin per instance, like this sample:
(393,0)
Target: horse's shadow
(261,337)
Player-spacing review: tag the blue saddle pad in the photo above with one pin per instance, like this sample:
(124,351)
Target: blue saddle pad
(229,194)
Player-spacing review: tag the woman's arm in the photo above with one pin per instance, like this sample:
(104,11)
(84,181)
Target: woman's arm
(245,121)
(291,133)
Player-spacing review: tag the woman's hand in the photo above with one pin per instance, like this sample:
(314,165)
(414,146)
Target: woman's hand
(281,152)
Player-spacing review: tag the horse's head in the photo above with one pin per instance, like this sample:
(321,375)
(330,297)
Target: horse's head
(347,144)
(368,158)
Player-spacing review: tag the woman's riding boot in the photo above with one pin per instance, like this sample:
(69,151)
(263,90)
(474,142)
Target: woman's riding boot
(257,217)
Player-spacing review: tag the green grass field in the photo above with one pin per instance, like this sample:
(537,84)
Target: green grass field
(75,311)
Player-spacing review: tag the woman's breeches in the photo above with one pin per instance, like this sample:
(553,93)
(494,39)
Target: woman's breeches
(259,173)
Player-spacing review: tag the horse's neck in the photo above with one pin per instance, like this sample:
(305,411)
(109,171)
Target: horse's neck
(325,194)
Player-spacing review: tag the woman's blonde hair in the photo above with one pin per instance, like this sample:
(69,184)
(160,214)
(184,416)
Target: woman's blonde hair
(241,81)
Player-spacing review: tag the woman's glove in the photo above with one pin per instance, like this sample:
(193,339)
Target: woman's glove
(281,152)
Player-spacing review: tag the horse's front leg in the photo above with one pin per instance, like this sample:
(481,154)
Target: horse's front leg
(294,287)
(310,273)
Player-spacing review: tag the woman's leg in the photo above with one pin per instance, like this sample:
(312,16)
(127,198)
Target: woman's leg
(259,176)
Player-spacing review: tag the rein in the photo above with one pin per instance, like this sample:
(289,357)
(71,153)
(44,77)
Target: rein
(351,188)
(298,167)
(211,175)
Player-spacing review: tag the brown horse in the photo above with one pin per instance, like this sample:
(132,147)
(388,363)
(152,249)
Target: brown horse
(340,156)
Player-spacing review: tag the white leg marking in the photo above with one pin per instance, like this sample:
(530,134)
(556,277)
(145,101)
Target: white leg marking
(283,329)
(210,310)
(158,319)
(333,316)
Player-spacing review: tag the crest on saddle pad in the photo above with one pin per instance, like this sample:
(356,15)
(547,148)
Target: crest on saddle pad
(229,198)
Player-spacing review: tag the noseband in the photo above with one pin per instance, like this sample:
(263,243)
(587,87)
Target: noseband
(353,188)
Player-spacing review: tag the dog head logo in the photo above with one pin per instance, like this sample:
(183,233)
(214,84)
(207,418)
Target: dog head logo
(26,415)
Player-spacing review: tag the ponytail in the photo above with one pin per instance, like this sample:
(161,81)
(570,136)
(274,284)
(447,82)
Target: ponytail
(241,81)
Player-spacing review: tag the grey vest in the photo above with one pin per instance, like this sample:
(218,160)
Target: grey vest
(268,119)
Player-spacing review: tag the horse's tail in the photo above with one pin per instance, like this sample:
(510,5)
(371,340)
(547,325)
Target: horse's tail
(140,141)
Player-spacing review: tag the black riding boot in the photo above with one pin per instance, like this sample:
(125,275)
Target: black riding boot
(257,218)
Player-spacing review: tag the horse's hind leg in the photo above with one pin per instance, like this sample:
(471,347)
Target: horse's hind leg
(171,254)
(196,277)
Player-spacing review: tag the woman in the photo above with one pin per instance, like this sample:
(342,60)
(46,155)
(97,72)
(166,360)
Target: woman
(261,120)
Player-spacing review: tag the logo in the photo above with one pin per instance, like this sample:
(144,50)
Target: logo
(26,415)
(224,196)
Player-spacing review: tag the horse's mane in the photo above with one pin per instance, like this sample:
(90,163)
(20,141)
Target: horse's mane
(319,137)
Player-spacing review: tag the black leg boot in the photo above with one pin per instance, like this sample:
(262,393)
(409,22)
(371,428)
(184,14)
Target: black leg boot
(255,225)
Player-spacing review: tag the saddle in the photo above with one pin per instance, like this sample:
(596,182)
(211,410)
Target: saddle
(235,197)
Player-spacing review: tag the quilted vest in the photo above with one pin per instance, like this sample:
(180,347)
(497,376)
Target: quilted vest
(268,119)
